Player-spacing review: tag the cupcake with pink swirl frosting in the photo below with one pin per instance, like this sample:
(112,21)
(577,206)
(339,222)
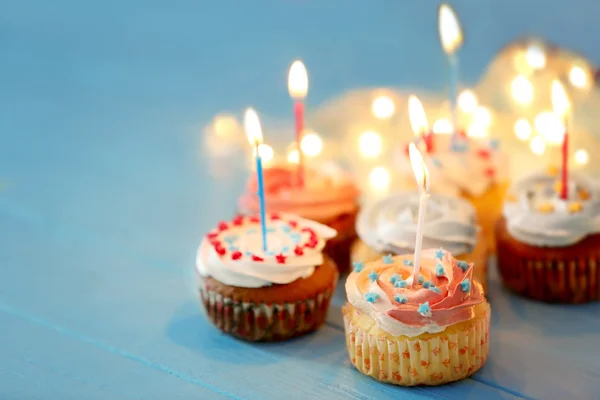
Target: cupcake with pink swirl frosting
(328,196)
(425,331)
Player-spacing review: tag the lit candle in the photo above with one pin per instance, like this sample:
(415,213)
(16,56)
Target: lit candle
(254,133)
(451,38)
(298,87)
(422,176)
(561,105)
(418,121)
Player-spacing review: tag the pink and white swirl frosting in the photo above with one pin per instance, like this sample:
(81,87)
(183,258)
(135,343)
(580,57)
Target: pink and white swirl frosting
(461,165)
(445,293)
(324,195)
(233,253)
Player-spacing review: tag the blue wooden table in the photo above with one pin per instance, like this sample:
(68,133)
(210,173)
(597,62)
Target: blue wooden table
(105,192)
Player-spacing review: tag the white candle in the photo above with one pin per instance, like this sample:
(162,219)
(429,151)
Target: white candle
(422,177)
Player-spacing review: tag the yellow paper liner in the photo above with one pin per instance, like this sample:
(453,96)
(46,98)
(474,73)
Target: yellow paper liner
(427,359)
(262,321)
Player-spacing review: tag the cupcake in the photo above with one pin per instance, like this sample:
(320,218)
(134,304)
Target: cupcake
(328,197)
(389,226)
(474,169)
(549,248)
(269,295)
(433,332)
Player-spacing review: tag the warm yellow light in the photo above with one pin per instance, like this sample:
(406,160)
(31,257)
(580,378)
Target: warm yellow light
(252,127)
(482,117)
(416,115)
(550,126)
(522,90)
(379,178)
(370,144)
(266,153)
(535,56)
(292,156)
(467,101)
(449,29)
(225,126)
(419,168)
(582,157)
(537,145)
(578,77)
(298,80)
(560,100)
(477,130)
(383,107)
(442,126)
(523,129)
(311,144)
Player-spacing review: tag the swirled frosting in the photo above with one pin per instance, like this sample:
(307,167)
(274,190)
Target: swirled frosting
(460,165)
(535,214)
(233,253)
(324,195)
(390,224)
(444,295)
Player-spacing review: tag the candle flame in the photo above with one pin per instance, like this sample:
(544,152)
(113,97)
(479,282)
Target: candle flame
(419,168)
(560,100)
(416,114)
(298,80)
(449,29)
(252,127)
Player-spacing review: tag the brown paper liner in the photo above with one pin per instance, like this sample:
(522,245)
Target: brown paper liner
(427,359)
(557,275)
(479,256)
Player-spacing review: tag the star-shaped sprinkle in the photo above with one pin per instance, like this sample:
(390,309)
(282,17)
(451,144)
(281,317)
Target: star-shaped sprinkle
(280,258)
(388,259)
(463,265)
(426,284)
(435,289)
(545,208)
(400,284)
(395,277)
(408,263)
(400,298)
(575,207)
(439,270)
(424,309)
(371,297)
(298,251)
(358,266)
(421,279)
(439,253)
(373,276)
(465,285)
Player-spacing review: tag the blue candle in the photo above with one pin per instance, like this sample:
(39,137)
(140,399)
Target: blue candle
(261,198)
(454,90)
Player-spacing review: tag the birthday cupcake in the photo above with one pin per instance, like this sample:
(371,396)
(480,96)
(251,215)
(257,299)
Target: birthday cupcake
(389,226)
(549,248)
(425,331)
(329,197)
(266,295)
(475,169)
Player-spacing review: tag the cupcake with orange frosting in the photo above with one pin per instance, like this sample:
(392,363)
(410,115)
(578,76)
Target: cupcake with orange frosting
(425,330)
(329,197)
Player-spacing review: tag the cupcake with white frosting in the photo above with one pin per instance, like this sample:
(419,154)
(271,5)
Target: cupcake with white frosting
(265,295)
(389,226)
(425,331)
(549,248)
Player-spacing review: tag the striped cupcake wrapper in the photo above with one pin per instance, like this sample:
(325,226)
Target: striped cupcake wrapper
(428,359)
(265,322)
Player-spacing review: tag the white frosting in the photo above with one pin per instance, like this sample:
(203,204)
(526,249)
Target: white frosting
(560,227)
(390,224)
(282,240)
(471,165)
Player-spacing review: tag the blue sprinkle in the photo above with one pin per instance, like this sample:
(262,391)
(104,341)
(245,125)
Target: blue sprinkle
(426,284)
(465,285)
(407,263)
(463,265)
(388,259)
(459,146)
(421,279)
(270,253)
(436,162)
(400,298)
(286,228)
(249,253)
(285,249)
(494,144)
(373,276)
(230,239)
(439,253)
(371,297)
(424,309)
(394,278)
(251,231)
(233,248)
(435,289)
(270,230)
(358,266)
(295,238)
(439,270)
(400,284)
